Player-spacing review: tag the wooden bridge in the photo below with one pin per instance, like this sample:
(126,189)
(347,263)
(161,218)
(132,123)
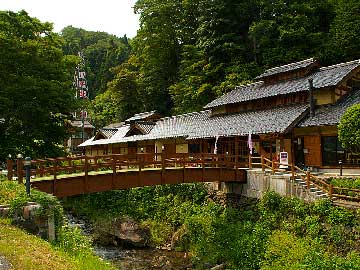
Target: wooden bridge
(70,176)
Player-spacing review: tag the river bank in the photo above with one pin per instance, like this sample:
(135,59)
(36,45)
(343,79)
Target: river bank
(273,233)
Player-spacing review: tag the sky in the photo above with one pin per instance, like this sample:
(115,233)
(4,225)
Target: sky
(112,16)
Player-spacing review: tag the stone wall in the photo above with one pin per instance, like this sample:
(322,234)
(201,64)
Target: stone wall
(259,182)
(28,217)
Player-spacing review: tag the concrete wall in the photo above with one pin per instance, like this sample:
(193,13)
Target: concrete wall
(259,182)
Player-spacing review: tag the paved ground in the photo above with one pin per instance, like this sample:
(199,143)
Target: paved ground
(4,265)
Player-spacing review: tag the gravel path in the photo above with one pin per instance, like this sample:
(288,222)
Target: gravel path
(4,265)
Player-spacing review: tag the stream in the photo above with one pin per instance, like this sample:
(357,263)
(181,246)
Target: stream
(127,258)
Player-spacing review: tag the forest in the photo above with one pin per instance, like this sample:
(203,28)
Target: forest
(185,54)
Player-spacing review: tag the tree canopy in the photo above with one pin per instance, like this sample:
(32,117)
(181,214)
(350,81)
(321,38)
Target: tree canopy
(349,129)
(35,87)
(189,52)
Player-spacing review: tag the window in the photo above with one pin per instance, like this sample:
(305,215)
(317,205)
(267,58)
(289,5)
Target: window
(332,151)
(194,148)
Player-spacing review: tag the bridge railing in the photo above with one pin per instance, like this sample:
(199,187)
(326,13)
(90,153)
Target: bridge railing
(53,168)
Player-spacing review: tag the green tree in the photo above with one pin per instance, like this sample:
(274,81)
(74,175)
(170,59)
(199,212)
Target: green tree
(349,129)
(288,31)
(102,52)
(345,31)
(35,87)
(122,98)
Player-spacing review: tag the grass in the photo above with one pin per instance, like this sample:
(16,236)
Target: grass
(71,251)
(28,252)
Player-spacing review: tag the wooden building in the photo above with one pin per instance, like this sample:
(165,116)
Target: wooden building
(293,108)
(77,137)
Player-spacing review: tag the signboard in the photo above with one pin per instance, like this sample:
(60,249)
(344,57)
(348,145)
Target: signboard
(284,159)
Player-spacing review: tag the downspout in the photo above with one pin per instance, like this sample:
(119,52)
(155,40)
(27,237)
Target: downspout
(311,98)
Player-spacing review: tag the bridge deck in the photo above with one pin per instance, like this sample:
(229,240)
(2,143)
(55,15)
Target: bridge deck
(81,175)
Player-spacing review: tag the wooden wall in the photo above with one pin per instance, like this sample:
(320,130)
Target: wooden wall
(313,154)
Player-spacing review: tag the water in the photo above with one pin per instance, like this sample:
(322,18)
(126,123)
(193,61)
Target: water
(135,258)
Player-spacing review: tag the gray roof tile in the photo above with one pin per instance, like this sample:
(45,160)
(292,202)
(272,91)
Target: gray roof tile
(202,125)
(330,115)
(324,77)
(78,124)
(287,68)
(141,116)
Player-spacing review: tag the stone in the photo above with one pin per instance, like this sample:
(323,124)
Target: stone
(218,267)
(4,210)
(4,264)
(129,231)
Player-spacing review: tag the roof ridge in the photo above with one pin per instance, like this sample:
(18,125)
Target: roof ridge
(246,85)
(298,62)
(184,114)
(340,65)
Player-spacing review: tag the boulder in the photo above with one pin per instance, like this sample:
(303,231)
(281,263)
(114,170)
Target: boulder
(128,231)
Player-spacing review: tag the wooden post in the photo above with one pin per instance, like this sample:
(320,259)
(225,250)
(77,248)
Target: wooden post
(331,191)
(236,169)
(19,166)
(183,160)
(10,169)
(114,171)
(262,163)
(272,167)
(308,179)
(55,169)
(202,168)
(250,161)
(162,167)
(293,172)
(86,171)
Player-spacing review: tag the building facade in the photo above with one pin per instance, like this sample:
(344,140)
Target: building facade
(293,108)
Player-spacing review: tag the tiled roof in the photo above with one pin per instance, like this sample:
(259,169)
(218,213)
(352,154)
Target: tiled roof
(202,125)
(272,120)
(146,127)
(120,133)
(286,68)
(108,132)
(78,124)
(141,116)
(330,115)
(115,125)
(324,77)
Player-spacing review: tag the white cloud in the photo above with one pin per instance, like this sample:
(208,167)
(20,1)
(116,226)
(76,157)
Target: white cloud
(113,16)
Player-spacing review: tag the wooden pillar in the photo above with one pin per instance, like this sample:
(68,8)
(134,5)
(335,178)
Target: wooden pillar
(308,179)
(331,191)
(86,171)
(262,163)
(19,165)
(202,167)
(10,169)
(113,161)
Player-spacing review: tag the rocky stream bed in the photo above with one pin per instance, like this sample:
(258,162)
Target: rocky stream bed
(134,257)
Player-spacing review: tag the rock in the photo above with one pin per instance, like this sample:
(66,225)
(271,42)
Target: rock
(218,267)
(4,264)
(4,210)
(130,231)
(177,236)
